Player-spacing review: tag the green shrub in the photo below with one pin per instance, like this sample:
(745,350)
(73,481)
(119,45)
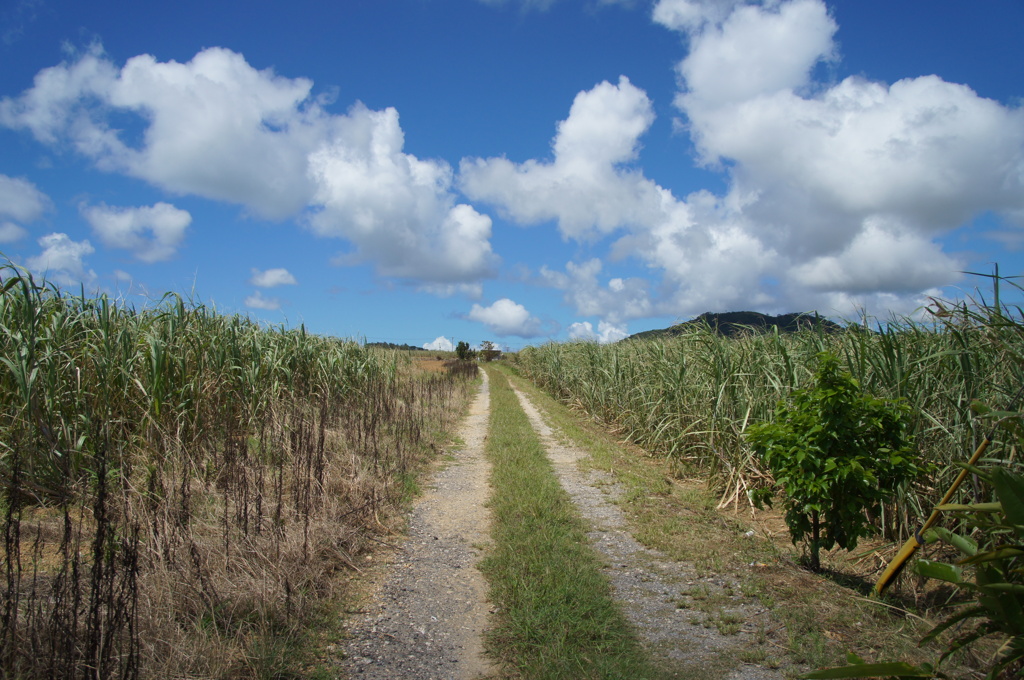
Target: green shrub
(837,453)
(463,352)
(996,590)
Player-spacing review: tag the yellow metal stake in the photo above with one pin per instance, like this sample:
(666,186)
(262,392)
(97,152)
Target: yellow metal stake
(915,542)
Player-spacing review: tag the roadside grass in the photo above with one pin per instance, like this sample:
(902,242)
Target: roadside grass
(185,493)
(555,615)
(814,620)
(313,653)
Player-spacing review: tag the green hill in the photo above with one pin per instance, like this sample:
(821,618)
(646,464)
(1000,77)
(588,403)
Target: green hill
(735,323)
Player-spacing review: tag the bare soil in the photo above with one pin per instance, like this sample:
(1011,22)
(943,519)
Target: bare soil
(428,608)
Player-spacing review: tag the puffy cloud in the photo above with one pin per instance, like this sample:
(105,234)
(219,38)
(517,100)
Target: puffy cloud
(837,192)
(397,209)
(11,232)
(152,233)
(53,111)
(616,300)
(214,126)
(257,301)
(606,333)
(440,344)
(931,153)
(757,51)
(21,201)
(603,126)
(62,260)
(506,317)
(846,184)
(272,277)
(588,186)
(708,259)
(219,128)
(875,261)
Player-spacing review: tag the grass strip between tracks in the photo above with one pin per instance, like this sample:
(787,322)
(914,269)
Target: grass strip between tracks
(814,620)
(556,617)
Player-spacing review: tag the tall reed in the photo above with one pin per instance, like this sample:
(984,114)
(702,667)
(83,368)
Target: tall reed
(179,486)
(691,397)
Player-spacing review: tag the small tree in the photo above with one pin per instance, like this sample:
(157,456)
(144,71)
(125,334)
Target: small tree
(837,453)
(488,351)
(463,352)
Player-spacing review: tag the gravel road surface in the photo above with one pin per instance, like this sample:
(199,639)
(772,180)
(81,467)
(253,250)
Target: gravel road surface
(427,617)
(428,610)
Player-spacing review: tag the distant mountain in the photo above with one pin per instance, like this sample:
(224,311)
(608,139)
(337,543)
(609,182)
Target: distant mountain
(735,323)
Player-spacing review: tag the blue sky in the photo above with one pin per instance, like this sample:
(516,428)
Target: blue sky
(429,171)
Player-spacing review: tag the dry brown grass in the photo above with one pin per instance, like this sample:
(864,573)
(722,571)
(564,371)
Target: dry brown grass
(220,597)
(431,364)
(186,494)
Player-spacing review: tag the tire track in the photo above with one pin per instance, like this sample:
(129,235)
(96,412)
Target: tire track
(648,584)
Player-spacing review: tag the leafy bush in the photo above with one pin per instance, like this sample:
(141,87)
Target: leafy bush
(463,352)
(836,452)
(996,607)
(998,584)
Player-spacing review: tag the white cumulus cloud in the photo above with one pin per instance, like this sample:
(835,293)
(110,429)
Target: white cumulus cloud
(837,193)
(505,317)
(589,187)
(213,126)
(257,301)
(440,344)
(758,51)
(11,232)
(929,152)
(62,261)
(615,299)
(706,257)
(397,209)
(842,188)
(606,333)
(153,233)
(876,261)
(271,278)
(20,202)
(217,127)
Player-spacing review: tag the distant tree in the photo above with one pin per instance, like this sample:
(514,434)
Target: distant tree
(463,352)
(391,345)
(488,351)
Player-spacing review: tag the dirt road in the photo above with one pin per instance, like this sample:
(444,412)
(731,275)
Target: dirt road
(429,612)
(647,584)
